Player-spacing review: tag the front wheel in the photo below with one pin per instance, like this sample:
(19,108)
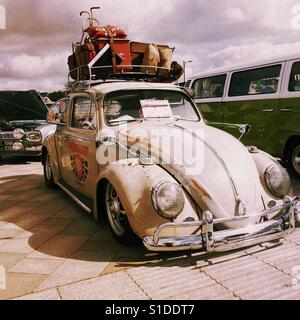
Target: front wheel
(48,175)
(117,218)
(293,158)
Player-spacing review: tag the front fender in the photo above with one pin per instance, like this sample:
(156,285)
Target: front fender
(133,183)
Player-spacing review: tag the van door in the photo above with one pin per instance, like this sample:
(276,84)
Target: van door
(208,95)
(254,99)
(289,117)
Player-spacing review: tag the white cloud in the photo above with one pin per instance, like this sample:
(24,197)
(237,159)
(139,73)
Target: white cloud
(251,51)
(235,15)
(39,34)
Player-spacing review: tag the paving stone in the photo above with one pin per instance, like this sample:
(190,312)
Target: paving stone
(167,281)
(51,295)
(19,284)
(36,266)
(285,258)
(117,286)
(57,221)
(16,246)
(95,245)
(233,269)
(80,266)
(60,246)
(258,284)
(8,260)
(83,226)
(214,292)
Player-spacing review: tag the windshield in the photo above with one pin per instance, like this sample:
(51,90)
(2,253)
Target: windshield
(138,105)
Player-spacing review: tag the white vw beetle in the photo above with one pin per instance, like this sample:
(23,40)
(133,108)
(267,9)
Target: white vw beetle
(142,154)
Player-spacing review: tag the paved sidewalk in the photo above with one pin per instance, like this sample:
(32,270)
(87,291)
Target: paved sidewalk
(51,249)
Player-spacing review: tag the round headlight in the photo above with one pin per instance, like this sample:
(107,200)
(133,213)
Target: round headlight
(168,199)
(278,180)
(18,133)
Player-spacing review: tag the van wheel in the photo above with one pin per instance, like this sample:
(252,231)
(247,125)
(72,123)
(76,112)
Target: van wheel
(117,218)
(48,175)
(293,158)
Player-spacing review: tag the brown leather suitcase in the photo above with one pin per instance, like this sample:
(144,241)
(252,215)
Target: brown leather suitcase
(84,55)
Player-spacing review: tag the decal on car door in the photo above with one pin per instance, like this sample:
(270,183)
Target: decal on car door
(79,164)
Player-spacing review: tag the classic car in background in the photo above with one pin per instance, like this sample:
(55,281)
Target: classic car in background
(23,127)
(235,197)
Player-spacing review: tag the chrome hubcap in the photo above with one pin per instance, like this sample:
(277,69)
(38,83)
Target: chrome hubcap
(296,159)
(115,211)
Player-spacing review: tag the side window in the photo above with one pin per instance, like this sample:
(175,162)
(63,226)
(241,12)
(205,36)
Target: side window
(212,87)
(58,112)
(255,81)
(64,107)
(294,84)
(84,114)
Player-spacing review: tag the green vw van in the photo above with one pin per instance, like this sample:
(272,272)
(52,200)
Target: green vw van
(263,94)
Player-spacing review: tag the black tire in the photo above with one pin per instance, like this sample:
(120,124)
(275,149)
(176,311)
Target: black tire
(48,175)
(117,218)
(293,158)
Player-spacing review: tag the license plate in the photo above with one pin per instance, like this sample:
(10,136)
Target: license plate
(7,145)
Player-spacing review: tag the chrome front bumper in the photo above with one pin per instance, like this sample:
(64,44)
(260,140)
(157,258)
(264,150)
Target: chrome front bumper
(231,239)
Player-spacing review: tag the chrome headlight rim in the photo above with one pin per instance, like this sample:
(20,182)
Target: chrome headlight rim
(155,199)
(271,187)
(35,132)
(19,133)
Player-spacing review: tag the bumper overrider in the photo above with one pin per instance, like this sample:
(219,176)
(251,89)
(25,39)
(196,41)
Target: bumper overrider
(219,241)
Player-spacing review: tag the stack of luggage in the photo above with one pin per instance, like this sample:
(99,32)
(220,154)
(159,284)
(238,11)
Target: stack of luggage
(106,51)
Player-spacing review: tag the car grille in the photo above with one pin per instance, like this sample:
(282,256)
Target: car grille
(6,135)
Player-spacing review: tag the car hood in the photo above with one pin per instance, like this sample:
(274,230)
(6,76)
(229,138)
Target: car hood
(224,180)
(21,105)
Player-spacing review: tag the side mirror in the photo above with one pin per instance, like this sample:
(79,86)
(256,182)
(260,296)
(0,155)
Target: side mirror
(56,114)
(244,129)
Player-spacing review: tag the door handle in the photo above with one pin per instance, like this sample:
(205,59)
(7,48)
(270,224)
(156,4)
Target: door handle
(285,110)
(66,139)
(268,109)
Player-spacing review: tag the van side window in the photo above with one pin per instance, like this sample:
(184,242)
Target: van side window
(212,87)
(294,84)
(84,114)
(255,81)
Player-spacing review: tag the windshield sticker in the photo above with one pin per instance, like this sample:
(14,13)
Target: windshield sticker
(156,109)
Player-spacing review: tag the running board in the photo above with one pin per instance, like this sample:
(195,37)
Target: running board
(71,195)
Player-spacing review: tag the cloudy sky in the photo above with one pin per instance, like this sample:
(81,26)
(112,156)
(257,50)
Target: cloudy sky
(37,40)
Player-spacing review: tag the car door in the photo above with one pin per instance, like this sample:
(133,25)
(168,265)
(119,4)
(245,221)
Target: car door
(289,114)
(78,152)
(208,95)
(254,98)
